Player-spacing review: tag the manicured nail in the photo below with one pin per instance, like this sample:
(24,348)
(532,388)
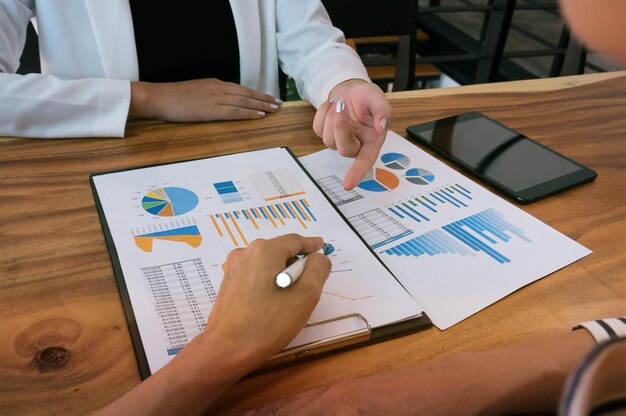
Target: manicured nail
(341,104)
(278,101)
(273,106)
(333,99)
(260,113)
(383,123)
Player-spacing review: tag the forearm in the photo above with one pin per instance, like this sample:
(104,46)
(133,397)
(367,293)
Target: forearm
(189,384)
(45,106)
(525,378)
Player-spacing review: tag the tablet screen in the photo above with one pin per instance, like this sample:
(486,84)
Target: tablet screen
(495,151)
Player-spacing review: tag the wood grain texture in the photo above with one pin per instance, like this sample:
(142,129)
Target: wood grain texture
(64,344)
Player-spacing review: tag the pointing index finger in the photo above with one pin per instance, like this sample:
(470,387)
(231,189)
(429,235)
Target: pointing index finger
(363,163)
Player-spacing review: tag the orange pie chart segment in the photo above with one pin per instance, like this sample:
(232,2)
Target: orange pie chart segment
(379,180)
(388,179)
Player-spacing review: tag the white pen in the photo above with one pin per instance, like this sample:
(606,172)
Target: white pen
(293,272)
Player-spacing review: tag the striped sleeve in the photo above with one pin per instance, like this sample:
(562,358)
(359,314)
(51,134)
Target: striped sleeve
(604,329)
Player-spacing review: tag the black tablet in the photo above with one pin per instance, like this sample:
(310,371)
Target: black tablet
(517,165)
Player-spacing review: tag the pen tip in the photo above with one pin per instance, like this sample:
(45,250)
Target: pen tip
(327,249)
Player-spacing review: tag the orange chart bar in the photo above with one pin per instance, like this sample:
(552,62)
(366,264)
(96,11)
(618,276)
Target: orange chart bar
(234,224)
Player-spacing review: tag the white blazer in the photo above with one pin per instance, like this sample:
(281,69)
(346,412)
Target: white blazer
(88,59)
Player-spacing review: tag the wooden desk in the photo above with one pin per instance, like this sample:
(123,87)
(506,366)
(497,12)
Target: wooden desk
(64,343)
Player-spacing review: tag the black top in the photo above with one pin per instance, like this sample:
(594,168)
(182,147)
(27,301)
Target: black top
(182,40)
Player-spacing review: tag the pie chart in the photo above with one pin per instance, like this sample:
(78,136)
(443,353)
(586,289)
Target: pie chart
(395,160)
(419,176)
(379,180)
(169,201)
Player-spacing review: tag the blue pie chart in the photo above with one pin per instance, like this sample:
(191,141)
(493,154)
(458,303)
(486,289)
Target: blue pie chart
(395,160)
(169,201)
(419,176)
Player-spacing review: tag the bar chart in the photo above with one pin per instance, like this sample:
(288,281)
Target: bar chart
(243,225)
(276,184)
(228,192)
(378,228)
(333,187)
(478,233)
(420,208)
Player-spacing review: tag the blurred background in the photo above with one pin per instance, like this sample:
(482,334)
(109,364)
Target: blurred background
(411,44)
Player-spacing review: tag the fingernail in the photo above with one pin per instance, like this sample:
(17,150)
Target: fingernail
(273,106)
(341,104)
(278,101)
(260,113)
(383,123)
(250,413)
(333,99)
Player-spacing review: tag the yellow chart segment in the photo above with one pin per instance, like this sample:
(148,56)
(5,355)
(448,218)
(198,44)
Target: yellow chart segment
(284,196)
(187,233)
(145,243)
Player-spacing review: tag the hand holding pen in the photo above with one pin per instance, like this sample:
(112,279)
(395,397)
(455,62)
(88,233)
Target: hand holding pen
(294,270)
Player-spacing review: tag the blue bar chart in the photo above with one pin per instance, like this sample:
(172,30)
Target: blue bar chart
(421,208)
(478,233)
(239,225)
(228,192)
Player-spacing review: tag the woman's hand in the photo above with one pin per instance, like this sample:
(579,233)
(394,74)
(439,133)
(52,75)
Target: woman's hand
(251,313)
(198,100)
(354,122)
(251,320)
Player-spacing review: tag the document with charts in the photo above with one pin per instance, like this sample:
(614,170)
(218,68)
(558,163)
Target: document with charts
(455,246)
(170,227)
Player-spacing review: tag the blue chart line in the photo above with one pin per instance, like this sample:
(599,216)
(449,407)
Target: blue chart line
(468,236)
(421,207)
(228,192)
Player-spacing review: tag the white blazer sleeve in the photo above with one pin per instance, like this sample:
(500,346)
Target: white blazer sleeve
(46,106)
(312,51)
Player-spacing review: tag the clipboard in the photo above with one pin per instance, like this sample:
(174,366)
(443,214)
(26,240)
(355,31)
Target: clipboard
(362,334)
(350,340)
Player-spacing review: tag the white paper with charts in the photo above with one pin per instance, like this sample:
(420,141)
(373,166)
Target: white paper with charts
(455,246)
(173,225)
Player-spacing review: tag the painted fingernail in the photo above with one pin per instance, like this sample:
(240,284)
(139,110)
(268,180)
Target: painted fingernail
(341,104)
(273,106)
(333,99)
(260,113)
(278,101)
(383,123)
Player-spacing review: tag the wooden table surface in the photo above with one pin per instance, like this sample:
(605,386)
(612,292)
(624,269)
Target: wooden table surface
(64,344)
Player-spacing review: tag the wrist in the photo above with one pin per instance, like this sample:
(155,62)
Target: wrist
(140,100)
(338,89)
(211,350)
